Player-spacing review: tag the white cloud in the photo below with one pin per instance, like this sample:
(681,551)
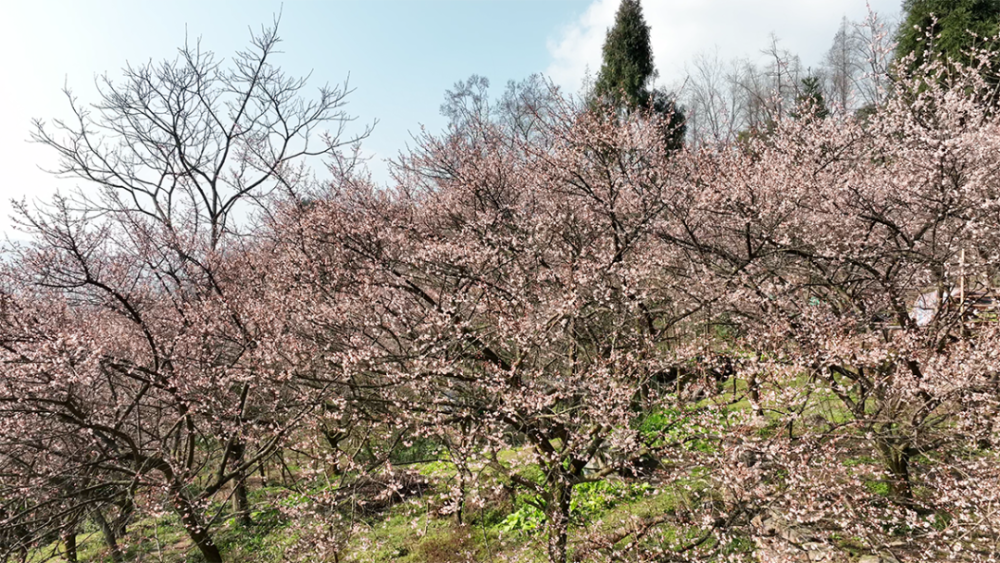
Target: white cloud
(683,29)
(578,45)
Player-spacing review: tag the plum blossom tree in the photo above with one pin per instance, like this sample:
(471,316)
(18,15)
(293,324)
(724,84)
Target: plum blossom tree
(531,293)
(519,298)
(540,292)
(828,235)
(135,319)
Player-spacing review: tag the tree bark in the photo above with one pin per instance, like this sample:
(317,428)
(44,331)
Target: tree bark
(461,494)
(125,511)
(110,537)
(69,542)
(897,461)
(241,502)
(557,515)
(193,525)
(754,387)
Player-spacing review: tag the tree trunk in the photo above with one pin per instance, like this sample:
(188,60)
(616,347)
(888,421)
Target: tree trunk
(193,525)
(897,461)
(557,515)
(110,537)
(754,387)
(263,474)
(69,542)
(23,542)
(125,511)
(241,504)
(461,494)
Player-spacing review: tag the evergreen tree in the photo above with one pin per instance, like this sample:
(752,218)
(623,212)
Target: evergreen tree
(959,25)
(628,60)
(628,71)
(810,102)
(673,125)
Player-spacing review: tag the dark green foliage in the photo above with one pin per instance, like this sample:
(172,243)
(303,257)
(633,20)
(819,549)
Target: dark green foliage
(664,104)
(951,32)
(627,71)
(810,101)
(866,112)
(628,59)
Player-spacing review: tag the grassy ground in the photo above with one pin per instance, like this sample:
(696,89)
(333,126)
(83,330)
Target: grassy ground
(498,524)
(506,527)
(502,526)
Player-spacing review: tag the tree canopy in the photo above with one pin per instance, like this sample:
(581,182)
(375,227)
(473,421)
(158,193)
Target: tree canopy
(955,26)
(628,71)
(627,66)
(779,351)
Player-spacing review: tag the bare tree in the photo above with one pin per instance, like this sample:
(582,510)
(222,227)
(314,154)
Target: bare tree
(146,269)
(724,101)
(713,104)
(842,69)
(873,43)
(186,142)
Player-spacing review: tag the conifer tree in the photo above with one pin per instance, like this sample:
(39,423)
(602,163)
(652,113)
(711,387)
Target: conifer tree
(627,72)
(955,25)
(627,67)
(811,102)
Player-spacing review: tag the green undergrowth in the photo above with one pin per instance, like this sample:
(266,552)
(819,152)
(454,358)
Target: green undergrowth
(590,501)
(415,530)
(502,523)
(412,532)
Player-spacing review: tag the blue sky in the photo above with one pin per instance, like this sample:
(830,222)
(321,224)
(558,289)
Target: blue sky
(401,55)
